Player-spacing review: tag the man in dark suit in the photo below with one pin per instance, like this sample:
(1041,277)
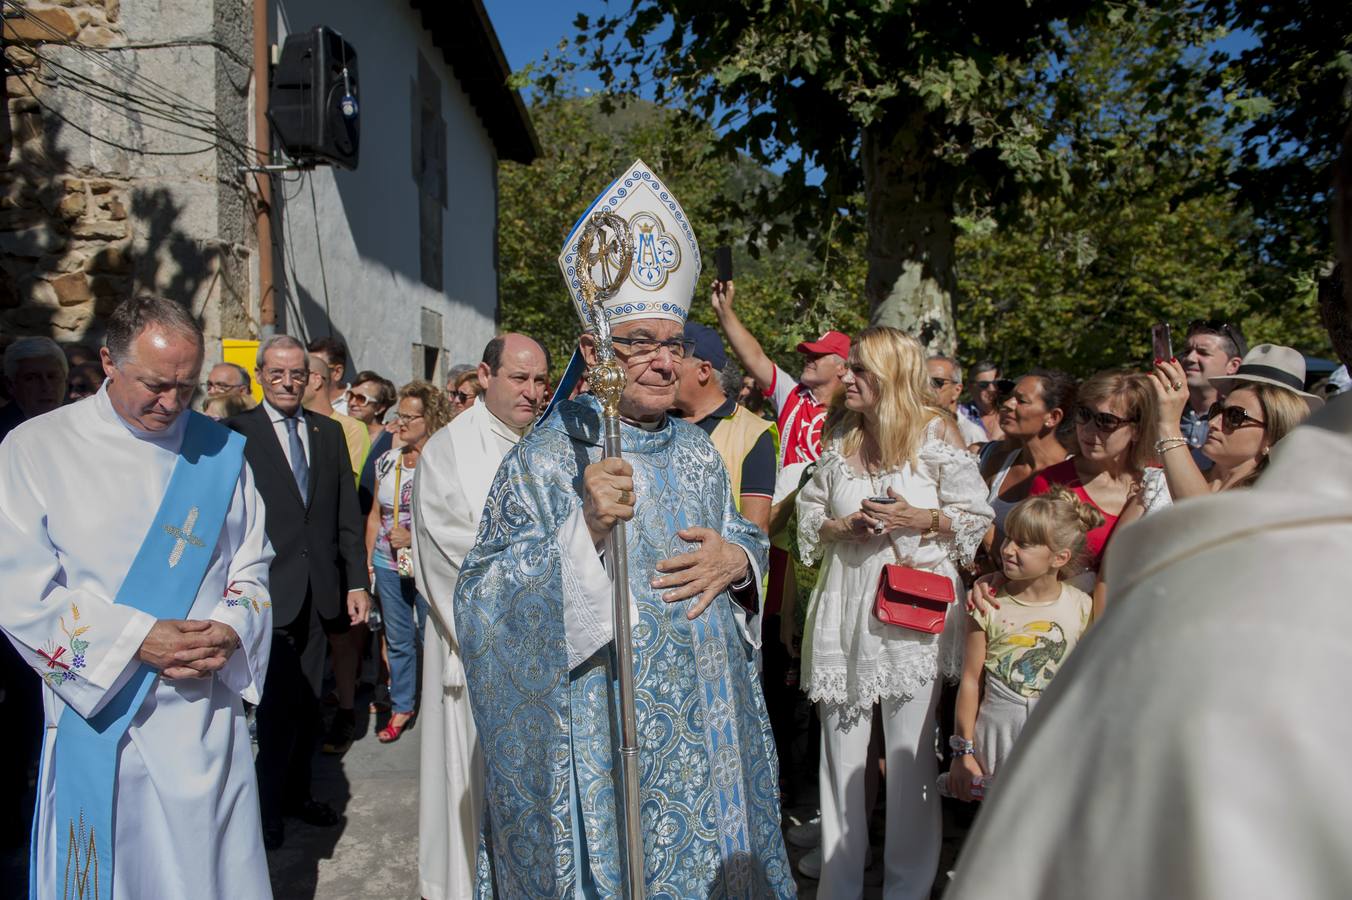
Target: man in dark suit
(318,579)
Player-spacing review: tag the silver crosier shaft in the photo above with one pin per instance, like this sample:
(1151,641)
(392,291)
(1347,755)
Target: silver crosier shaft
(606,242)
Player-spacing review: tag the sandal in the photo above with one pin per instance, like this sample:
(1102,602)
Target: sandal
(390,733)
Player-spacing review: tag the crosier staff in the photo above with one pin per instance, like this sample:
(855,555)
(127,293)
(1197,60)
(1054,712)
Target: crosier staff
(606,241)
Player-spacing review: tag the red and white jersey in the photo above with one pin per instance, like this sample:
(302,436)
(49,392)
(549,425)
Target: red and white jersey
(800,419)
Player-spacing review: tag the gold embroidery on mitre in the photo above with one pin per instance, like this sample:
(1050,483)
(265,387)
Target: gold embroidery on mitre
(81,839)
(183,537)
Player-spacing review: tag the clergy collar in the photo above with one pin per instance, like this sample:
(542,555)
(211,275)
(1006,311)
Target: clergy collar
(498,426)
(169,437)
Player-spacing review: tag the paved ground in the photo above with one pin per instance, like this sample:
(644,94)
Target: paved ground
(374,852)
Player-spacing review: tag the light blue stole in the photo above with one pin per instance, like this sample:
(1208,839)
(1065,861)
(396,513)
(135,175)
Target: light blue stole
(163,581)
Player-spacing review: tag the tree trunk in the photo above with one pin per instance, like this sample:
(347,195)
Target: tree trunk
(910,283)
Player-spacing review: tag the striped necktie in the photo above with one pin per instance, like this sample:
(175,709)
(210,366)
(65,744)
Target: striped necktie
(299,467)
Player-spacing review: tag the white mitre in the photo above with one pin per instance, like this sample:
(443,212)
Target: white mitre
(661,281)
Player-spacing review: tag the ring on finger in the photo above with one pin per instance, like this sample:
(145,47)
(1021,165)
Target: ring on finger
(626,498)
(1176,385)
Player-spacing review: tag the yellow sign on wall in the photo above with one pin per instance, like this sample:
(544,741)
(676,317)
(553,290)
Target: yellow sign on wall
(243,354)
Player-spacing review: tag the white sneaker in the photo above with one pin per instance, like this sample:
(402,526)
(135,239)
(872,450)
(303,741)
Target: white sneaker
(810,865)
(806,835)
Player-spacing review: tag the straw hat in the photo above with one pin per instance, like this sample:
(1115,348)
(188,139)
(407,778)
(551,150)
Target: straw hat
(1271,364)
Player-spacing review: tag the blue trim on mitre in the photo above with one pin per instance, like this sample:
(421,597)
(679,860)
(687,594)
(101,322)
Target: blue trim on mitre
(638,177)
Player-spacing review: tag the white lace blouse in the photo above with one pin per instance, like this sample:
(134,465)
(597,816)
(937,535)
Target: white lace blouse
(850,658)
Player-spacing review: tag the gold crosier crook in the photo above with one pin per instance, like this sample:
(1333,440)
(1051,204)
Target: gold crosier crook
(607,241)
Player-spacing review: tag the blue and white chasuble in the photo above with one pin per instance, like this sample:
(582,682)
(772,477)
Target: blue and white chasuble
(709,778)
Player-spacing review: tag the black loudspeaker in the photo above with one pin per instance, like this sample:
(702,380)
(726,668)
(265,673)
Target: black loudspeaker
(313,101)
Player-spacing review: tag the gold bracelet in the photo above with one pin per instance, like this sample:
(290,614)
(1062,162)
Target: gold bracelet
(934,526)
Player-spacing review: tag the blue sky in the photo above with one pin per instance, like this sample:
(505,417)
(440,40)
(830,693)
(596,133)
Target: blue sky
(529,28)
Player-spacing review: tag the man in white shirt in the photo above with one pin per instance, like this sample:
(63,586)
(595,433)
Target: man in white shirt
(946,379)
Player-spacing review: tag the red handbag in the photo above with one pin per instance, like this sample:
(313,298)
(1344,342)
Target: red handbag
(910,598)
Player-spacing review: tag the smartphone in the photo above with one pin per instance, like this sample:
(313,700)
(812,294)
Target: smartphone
(723,261)
(1160,342)
(882,499)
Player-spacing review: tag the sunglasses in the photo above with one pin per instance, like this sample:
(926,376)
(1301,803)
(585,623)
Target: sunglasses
(1104,422)
(1217,327)
(940,383)
(360,399)
(1232,417)
(461,396)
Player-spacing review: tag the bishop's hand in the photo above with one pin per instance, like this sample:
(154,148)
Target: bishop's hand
(607,496)
(705,572)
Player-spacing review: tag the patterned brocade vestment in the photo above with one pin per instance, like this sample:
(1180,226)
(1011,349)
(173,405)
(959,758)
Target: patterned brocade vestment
(709,779)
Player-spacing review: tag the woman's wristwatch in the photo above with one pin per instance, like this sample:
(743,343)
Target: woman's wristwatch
(961,746)
(933,531)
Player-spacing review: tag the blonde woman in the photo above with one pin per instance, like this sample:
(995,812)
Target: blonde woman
(423,410)
(888,440)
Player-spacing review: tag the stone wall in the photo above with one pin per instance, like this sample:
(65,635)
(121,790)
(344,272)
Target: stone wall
(102,196)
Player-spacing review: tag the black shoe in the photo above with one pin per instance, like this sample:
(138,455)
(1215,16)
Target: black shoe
(312,812)
(274,835)
(341,731)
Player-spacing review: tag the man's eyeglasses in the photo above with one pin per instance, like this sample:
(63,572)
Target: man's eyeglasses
(221,386)
(643,348)
(1104,422)
(1232,417)
(405,420)
(940,383)
(278,376)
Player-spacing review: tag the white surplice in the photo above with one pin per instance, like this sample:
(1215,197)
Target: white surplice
(79,490)
(454,474)
(1191,747)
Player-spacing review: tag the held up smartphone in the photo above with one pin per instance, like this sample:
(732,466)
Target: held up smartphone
(723,261)
(1160,342)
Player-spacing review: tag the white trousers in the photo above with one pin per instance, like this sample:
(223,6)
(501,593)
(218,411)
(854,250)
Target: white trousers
(914,830)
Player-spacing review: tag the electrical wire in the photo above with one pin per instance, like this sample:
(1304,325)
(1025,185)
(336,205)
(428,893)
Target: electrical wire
(319,252)
(233,152)
(151,106)
(116,69)
(111,143)
(155,92)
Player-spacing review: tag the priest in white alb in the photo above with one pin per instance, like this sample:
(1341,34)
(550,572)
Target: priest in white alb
(457,466)
(135,569)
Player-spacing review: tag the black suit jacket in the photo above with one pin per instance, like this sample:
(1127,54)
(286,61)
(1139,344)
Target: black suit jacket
(320,539)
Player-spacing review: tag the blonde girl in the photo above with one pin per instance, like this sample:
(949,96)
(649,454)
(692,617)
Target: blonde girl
(1013,651)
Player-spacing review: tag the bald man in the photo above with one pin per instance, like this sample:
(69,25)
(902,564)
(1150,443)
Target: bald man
(457,466)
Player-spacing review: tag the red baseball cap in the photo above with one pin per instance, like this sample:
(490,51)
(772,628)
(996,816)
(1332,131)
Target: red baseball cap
(831,342)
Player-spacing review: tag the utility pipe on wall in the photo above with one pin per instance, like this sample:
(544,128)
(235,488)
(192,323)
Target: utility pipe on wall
(267,313)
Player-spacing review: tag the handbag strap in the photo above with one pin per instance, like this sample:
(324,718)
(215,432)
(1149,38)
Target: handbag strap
(891,542)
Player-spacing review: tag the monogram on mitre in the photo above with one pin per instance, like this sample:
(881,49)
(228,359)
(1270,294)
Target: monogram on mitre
(666,260)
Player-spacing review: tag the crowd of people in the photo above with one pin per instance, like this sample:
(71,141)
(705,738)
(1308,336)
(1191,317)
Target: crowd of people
(909,558)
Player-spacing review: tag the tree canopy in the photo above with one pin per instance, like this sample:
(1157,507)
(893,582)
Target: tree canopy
(1059,175)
